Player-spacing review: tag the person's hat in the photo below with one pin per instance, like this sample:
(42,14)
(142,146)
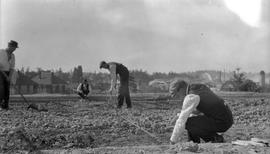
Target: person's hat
(13,44)
(102,64)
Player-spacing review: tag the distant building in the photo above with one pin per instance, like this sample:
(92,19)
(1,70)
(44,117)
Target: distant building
(24,85)
(262,81)
(49,83)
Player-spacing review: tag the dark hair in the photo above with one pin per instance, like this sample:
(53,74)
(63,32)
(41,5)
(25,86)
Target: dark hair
(176,85)
(101,64)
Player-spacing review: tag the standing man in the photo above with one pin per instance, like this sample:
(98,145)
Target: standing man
(123,91)
(7,64)
(203,113)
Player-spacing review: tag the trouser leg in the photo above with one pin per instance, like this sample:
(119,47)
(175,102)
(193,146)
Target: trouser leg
(2,89)
(124,91)
(5,91)
(201,127)
(84,94)
(128,100)
(6,104)
(81,95)
(120,100)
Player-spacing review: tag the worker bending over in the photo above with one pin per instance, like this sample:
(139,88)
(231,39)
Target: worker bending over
(123,91)
(203,113)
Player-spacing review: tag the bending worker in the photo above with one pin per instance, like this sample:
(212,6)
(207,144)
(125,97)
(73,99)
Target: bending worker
(203,113)
(123,91)
(7,64)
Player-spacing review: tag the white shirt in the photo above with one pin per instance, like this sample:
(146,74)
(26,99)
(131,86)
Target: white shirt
(189,106)
(5,63)
(112,69)
(79,88)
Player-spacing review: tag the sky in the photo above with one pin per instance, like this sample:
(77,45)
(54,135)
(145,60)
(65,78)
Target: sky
(152,35)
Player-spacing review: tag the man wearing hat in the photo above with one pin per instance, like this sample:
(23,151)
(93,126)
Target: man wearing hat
(123,91)
(204,114)
(7,64)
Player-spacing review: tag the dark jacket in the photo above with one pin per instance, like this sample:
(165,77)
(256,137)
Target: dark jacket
(121,70)
(210,104)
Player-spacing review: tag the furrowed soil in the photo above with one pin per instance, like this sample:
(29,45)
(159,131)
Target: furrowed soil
(97,127)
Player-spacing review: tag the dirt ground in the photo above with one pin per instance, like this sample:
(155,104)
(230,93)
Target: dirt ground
(98,127)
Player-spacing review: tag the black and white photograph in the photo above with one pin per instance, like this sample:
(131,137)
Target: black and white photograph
(134,76)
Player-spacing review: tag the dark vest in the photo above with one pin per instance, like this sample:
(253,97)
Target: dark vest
(85,87)
(121,70)
(210,104)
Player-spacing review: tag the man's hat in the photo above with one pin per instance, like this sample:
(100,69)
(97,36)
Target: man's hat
(13,44)
(102,64)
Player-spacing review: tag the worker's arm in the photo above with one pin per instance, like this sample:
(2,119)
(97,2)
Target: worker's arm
(90,88)
(190,103)
(195,113)
(79,88)
(112,70)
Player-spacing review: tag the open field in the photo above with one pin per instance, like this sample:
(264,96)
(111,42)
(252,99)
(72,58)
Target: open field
(70,123)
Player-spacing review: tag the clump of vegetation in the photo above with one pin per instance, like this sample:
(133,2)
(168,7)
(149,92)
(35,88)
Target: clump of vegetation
(239,82)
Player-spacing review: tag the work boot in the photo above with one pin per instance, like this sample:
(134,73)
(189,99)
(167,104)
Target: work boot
(4,108)
(193,138)
(218,139)
(4,105)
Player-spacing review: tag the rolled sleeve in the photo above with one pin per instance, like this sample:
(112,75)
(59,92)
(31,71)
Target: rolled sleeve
(112,70)
(12,62)
(79,87)
(190,103)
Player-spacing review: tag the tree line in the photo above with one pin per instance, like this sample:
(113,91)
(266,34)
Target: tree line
(139,78)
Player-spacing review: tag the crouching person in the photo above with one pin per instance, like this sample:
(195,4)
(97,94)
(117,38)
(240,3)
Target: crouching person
(83,89)
(203,113)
